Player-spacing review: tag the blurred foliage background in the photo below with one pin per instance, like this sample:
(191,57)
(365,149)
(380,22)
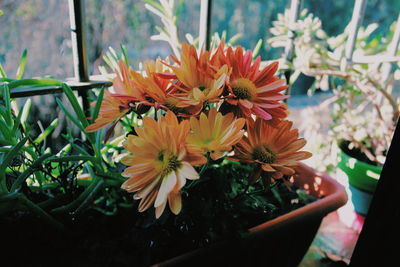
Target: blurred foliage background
(42,27)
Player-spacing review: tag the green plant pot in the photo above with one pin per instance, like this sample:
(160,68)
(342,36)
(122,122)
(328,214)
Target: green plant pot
(363,178)
(362,175)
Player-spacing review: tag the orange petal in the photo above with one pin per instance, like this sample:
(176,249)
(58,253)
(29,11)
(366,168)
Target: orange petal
(147,201)
(175,202)
(267,168)
(160,209)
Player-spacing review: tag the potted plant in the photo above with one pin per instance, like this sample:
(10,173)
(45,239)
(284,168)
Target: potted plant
(197,160)
(365,106)
(206,152)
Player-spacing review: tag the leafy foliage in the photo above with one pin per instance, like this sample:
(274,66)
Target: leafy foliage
(222,206)
(365,109)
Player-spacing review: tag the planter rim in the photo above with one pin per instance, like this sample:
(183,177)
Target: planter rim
(360,174)
(361,163)
(334,197)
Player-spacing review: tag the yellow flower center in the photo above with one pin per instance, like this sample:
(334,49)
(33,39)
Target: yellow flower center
(264,154)
(169,162)
(243,88)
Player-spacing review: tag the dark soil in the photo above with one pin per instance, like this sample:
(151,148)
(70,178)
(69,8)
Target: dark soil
(355,153)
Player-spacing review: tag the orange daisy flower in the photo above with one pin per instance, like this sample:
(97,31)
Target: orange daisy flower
(215,133)
(199,81)
(155,89)
(123,83)
(120,101)
(160,162)
(111,109)
(253,91)
(273,149)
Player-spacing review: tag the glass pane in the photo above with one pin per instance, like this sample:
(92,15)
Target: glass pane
(112,23)
(252,19)
(377,11)
(41,27)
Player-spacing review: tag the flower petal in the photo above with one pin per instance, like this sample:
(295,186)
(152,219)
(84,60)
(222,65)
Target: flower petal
(188,171)
(175,202)
(167,184)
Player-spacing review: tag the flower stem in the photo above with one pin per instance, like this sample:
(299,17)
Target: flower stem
(155,114)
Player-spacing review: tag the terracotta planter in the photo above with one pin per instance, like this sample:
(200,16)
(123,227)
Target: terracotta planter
(363,178)
(282,241)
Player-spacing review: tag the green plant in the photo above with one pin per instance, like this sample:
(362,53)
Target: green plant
(36,180)
(184,143)
(165,10)
(366,106)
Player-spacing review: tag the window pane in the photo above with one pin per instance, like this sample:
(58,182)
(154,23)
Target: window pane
(112,23)
(41,27)
(252,19)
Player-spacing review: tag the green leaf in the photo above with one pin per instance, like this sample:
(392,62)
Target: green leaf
(75,105)
(72,158)
(9,196)
(5,131)
(4,148)
(46,132)
(67,148)
(21,67)
(69,115)
(27,172)
(39,211)
(257,48)
(2,72)
(235,38)
(78,111)
(6,161)
(124,54)
(82,198)
(25,113)
(13,152)
(7,80)
(96,109)
(90,196)
(17,121)
(80,149)
(34,83)
(98,140)
(277,196)
(7,102)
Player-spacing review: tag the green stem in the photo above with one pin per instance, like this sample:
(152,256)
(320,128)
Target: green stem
(28,172)
(112,179)
(6,161)
(90,197)
(78,200)
(43,214)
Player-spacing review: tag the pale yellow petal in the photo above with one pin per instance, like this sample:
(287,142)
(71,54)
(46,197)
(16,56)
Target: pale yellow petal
(167,184)
(160,209)
(188,171)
